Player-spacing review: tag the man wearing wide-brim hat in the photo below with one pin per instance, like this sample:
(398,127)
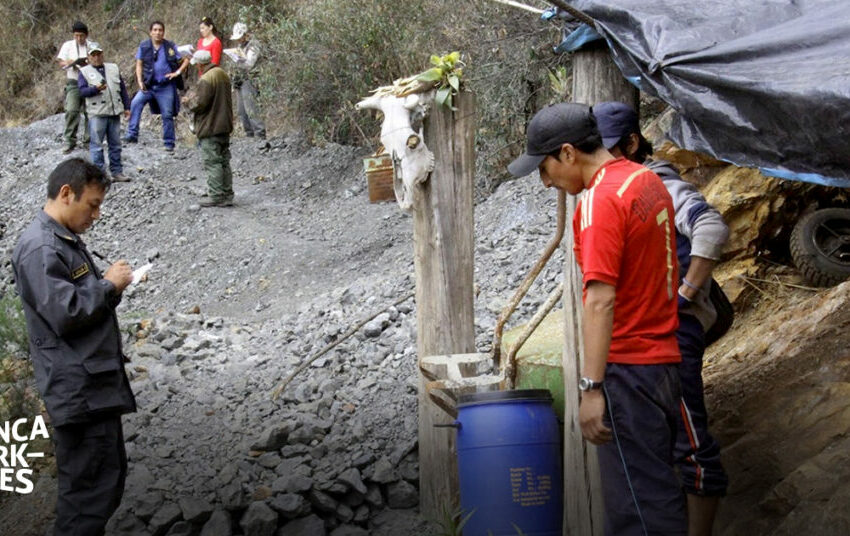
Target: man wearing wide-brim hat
(244,80)
(213,109)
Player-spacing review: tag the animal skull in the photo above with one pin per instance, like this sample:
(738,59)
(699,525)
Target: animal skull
(412,161)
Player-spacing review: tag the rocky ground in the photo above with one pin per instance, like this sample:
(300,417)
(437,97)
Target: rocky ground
(239,297)
(236,299)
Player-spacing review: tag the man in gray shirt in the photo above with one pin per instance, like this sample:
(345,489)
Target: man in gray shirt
(247,54)
(75,346)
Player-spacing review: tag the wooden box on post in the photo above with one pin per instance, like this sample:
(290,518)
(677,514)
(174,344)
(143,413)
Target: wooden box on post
(379,177)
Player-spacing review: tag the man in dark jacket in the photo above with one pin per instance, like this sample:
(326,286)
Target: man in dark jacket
(213,111)
(75,346)
(159,67)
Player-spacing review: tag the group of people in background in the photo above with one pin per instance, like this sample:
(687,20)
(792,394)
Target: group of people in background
(68,303)
(96,97)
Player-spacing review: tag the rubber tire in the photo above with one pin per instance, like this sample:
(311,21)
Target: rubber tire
(814,265)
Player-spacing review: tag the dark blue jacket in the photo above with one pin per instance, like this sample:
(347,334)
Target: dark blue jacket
(75,343)
(146,51)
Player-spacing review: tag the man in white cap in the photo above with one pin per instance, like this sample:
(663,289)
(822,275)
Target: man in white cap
(213,109)
(105,92)
(246,88)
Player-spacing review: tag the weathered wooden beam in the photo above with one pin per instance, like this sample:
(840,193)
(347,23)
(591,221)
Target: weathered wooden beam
(443,245)
(595,79)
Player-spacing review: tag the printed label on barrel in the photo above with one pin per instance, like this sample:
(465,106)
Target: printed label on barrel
(528,488)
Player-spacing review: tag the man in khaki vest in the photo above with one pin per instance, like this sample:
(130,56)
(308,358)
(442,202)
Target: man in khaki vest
(106,98)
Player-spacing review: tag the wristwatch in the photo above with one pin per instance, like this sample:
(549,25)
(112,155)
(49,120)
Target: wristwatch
(586,384)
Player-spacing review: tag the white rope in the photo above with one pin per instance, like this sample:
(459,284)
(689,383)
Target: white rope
(512,3)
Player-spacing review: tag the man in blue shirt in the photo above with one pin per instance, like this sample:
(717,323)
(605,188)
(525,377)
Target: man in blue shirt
(159,67)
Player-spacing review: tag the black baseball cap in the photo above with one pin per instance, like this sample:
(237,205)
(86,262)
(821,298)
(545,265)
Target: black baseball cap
(615,120)
(551,127)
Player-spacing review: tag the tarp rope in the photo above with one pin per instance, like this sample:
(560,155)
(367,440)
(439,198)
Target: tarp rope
(572,11)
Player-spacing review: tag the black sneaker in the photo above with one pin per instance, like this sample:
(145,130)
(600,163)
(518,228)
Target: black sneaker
(169,149)
(127,139)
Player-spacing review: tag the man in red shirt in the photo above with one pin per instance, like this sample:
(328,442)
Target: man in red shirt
(625,244)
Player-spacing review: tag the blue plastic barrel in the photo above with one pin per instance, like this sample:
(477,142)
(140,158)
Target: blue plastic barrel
(509,460)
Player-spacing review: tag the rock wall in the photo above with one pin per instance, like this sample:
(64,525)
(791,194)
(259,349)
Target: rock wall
(778,389)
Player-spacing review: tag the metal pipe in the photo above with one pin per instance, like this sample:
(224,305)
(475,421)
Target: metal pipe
(529,279)
(548,305)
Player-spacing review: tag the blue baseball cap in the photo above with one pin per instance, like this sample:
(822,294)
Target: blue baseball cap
(615,120)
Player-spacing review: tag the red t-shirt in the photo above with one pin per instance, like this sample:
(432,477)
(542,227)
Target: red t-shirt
(625,236)
(215,51)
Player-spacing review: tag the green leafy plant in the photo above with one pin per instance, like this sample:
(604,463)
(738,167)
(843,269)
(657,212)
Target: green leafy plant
(13,330)
(451,522)
(559,82)
(17,396)
(445,74)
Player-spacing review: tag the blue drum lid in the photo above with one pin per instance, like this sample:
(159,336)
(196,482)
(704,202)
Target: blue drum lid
(539,395)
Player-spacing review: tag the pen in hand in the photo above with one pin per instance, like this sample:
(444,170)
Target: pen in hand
(119,274)
(101,257)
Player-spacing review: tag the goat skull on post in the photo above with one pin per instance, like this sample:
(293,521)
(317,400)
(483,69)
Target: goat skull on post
(412,161)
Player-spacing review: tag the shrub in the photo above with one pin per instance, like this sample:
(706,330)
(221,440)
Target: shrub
(324,56)
(17,396)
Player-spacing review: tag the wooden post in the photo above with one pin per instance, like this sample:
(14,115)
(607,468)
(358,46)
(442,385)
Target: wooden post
(595,79)
(443,244)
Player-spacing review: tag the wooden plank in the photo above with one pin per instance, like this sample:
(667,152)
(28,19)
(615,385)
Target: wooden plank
(595,79)
(443,246)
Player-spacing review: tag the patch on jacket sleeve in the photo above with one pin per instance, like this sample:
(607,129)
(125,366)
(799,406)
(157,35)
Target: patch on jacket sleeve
(81,271)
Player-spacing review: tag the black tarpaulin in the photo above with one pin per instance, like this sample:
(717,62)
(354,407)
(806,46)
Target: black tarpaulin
(761,83)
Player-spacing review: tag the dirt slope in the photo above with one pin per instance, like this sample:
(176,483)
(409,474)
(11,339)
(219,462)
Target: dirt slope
(778,387)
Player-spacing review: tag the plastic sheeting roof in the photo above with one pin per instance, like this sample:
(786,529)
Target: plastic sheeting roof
(762,83)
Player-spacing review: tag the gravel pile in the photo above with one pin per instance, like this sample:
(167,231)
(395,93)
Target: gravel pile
(239,297)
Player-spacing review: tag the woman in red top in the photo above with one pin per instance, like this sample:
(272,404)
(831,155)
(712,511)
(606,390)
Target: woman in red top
(209,41)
